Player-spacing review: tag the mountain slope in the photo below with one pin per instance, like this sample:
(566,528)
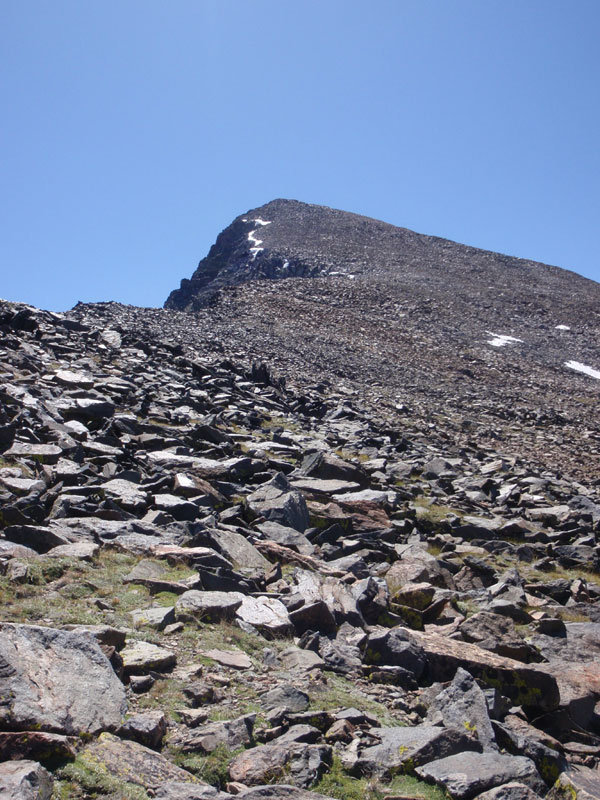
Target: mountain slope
(491,343)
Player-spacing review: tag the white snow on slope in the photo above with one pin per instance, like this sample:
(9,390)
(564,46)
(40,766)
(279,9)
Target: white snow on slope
(251,236)
(501,340)
(562,328)
(579,367)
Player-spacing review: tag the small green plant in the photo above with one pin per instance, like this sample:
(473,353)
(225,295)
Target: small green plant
(212,768)
(95,782)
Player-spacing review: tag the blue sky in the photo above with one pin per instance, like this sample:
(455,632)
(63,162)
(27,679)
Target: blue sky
(135,130)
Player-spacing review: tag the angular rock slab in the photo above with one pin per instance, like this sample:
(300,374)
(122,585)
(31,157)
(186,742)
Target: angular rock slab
(580,783)
(462,706)
(175,790)
(303,763)
(280,792)
(132,762)
(24,780)
(468,774)
(523,684)
(232,733)
(198,606)
(267,614)
(276,501)
(57,681)
(515,790)
(400,747)
(141,657)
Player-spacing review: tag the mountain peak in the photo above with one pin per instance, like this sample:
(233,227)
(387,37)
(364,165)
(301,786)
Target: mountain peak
(290,239)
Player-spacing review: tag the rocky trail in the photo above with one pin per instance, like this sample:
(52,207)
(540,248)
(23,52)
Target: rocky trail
(215,585)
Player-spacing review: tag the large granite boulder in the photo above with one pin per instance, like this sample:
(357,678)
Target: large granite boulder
(56,680)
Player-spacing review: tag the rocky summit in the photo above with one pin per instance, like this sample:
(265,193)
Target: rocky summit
(326,526)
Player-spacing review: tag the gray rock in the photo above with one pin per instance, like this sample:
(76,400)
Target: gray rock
(141,657)
(197,606)
(580,783)
(131,762)
(266,614)
(24,780)
(280,792)
(303,764)
(523,684)
(510,791)
(174,790)
(462,706)
(468,774)
(419,745)
(179,508)
(288,537)
(232,733)
(236,549)
(147,728)
(497,633)
(287,696)
(57,681)
(276,501)
(127,495)
(156,617)
(396,648)
(44,453)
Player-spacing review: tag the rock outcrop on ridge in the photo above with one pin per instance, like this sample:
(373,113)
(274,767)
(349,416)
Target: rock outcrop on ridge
(222,578)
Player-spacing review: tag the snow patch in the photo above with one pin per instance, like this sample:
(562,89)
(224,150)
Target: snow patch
(252,238)
(579,367)
(562,328)
(501,340)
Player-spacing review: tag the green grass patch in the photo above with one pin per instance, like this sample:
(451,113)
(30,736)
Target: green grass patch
(343,786)
(81,780)
(212,768)
(339,692)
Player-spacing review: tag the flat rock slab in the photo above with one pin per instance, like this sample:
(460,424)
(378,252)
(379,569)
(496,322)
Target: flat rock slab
(280,792)
(286,696)
(174,790)
(230,658)
(83,551)
(267,614)
(36,744)
(127,494)
(141,657)
(131,762)
(232,733)
(302,763)
(234,547)
(288,537)
(74,380)
(468,774)
(401,746)
(324,486)
(303,660)
(196,605)
(515,790)
(24,780)
(523,684)
(276,501)
(156,617)
(580,783)
(58,681)
(579,686)
(45,453)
